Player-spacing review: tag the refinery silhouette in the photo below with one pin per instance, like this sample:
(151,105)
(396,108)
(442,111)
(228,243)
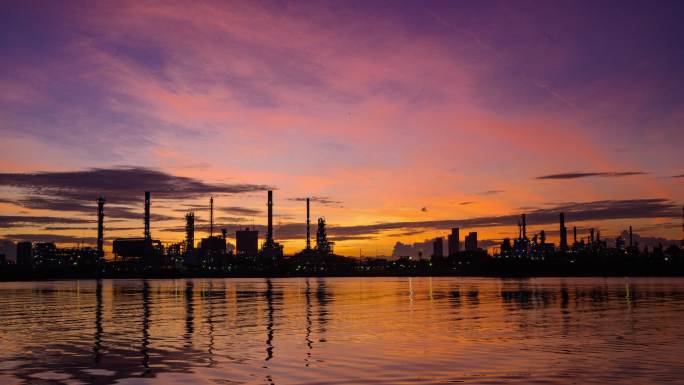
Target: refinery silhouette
(212,256)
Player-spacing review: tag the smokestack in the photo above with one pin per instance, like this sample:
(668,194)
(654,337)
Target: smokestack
(211,216)
(147,215)
(524,226)
(190,231)
(269,234)
(308,225)
(631,240)
(682,243)
(563,233)
(100,226)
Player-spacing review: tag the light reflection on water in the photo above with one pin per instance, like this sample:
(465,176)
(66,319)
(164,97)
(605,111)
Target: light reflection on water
(343,331)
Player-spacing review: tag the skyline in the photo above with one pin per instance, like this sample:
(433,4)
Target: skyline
(583,213)
(399,121)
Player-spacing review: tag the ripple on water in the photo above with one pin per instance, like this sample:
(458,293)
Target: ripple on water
(344,331)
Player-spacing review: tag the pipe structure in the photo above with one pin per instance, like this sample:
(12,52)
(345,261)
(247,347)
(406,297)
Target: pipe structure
(190,231)
(100,226)
(147,215)
(308,226)
(211,216)
(524,226)
(269,234)
(563,233)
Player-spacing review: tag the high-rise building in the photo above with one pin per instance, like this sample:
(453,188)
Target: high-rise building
(471,241)
(454,241)
(438,248)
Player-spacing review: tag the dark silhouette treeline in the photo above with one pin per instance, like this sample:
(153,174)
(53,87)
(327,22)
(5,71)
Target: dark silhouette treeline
(211,257)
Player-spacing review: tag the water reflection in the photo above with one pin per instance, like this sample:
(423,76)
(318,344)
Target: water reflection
(189,312)
(97,346)
(309,314)
(146,326)
(323,299)
(269,322)
(348,330)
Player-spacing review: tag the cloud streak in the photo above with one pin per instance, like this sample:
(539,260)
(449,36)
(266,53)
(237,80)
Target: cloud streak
(7,221)
(118,185)
(325,201)
(577,175)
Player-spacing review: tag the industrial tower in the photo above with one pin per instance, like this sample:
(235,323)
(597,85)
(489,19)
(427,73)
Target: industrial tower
(100,226)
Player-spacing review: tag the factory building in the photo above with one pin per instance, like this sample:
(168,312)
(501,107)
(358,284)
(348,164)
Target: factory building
(145,248)
(25,254)
(247,243)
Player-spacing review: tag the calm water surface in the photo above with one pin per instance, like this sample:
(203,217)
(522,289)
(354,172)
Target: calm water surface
(343,331)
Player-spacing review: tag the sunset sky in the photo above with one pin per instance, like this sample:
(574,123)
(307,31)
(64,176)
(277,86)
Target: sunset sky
(399,119)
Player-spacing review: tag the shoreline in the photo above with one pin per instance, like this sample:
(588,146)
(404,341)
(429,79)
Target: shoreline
(76,277)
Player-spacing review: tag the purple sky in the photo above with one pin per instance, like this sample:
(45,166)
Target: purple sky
(387,112)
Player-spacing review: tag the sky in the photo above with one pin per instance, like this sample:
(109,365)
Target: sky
(400,119)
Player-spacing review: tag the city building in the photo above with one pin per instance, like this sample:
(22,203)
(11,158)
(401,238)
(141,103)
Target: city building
(471,241)
(454,241)
(438,248)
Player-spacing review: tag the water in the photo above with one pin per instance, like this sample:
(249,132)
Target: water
(343,331)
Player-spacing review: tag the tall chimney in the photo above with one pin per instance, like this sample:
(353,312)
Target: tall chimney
(631,240)
(524,226)
(308,225)
(147,215)
(100,226)
(211,216)
(190,231)
(563,233)
(269,234)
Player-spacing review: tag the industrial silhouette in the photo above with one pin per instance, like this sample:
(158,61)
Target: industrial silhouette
(146,256)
